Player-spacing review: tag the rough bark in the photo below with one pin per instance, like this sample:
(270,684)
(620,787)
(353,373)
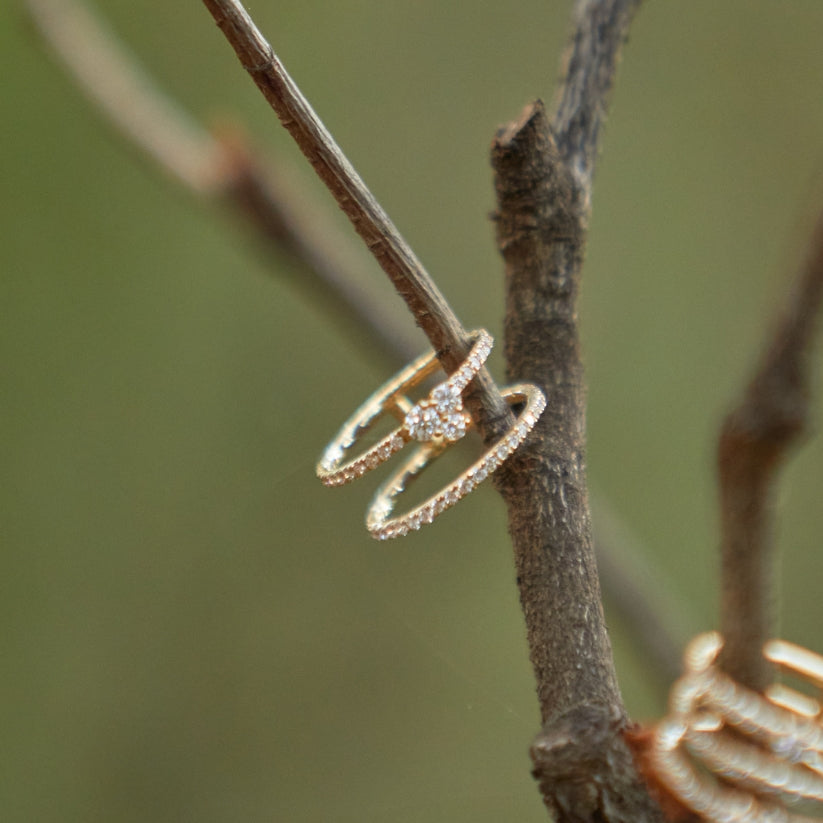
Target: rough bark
(582,764)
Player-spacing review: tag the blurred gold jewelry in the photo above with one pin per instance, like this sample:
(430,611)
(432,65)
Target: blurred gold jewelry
(440,416)
(755,751)
(378,518)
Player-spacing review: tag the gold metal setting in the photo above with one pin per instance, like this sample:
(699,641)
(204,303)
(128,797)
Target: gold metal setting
(438,417)
(731,754)
(383,526)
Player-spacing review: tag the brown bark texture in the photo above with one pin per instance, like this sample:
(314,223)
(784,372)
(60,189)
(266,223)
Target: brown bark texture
(543,175)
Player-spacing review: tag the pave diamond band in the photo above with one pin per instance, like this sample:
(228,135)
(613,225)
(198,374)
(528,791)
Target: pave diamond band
(439,417)
(379,520)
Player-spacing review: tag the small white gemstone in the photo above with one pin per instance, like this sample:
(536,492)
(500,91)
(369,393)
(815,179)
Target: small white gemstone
(380,509)
(426,514)
(333,455)
(447,398)
(440,414)
(451,496)
(454,428)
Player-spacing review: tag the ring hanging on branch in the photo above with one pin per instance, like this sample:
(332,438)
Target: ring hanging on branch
(438,417)
(378,518)
(732,754)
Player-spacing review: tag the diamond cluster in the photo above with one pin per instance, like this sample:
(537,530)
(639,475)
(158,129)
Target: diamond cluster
(378,520)
(440,415)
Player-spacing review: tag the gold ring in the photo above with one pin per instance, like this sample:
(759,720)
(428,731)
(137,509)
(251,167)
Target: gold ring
(383,526)
(754,750)
(439,416)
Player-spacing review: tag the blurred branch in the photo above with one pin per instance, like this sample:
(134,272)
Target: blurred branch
(223,168)
(116,84)
(543,176)
(599,30)
(638,595)
(754,441)
(425,301)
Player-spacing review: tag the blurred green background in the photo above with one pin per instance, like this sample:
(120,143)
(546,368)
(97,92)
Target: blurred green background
(192,628)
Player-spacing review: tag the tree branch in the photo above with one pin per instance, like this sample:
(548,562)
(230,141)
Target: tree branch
(543,181)
(224,169)
(430,309)
(599,29)
(118,86)
(754,440)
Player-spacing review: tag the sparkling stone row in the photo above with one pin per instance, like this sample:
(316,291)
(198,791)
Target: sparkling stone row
(703,702)
(383,528)
(439,415)
(377,454)
(478,355)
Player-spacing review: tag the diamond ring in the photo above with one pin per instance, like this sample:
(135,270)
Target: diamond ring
(379,520)
(438,418)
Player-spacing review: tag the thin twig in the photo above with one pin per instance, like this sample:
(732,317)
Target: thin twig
(754,441)
(428,306)
(222,167)
(543,180)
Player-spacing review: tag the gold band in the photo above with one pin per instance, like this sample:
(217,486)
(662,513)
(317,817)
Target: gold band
(378,518)
(439,417)
(764,748)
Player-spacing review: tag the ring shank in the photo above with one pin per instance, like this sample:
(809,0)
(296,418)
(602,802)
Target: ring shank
(390,398)
(383,526)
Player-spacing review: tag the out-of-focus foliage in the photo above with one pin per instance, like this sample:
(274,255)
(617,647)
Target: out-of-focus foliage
(192,628)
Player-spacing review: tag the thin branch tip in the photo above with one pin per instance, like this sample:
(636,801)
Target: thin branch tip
(429,307)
